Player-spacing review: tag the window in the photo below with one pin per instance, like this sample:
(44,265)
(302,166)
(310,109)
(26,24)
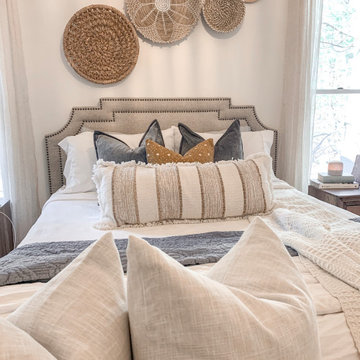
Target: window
(336,132)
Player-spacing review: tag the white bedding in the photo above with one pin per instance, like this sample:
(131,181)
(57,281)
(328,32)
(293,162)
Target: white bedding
(68,217)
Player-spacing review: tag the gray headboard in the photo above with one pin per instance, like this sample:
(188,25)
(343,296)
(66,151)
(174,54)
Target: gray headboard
(133,115)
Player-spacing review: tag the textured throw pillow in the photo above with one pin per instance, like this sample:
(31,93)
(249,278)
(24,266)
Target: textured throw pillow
(81,156)
(16,344)
(130,193)
(228,147)
(109,148)
(202,153)
(252,305)
(82,312)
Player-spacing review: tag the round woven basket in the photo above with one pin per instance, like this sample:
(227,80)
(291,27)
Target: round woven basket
(101,44)
(164,21)
(223,15)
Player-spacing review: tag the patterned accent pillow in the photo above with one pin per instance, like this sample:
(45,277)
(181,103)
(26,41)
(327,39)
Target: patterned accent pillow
(228,147)
(110,148)
(157,154)
(132,194)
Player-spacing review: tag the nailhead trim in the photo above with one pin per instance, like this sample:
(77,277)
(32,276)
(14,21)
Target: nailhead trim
(138,100)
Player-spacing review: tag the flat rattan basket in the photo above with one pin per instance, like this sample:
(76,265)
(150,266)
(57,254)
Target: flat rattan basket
(101,44)
(164,21)
(223,15)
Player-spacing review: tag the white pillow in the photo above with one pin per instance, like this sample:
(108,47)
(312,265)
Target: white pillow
(252,305)
(82,312)
(257,142)
(253,141)
(81,157)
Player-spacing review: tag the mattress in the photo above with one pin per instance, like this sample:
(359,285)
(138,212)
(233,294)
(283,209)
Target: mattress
(69,217)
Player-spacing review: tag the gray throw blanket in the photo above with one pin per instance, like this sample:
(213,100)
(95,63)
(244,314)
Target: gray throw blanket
(42,261)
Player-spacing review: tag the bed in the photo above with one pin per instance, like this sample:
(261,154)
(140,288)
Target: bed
(297,219)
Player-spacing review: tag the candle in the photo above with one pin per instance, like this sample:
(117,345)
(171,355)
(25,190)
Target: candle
(335,168)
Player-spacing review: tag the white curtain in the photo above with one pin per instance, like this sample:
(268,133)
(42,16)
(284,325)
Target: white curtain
(17,149)
(299,92)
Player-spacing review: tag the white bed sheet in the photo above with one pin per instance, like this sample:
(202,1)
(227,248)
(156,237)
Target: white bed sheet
(67,217)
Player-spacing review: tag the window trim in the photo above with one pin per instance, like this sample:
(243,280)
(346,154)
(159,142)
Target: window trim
(340,91)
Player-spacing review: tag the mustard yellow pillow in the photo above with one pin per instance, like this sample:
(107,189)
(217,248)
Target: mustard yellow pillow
(202,153)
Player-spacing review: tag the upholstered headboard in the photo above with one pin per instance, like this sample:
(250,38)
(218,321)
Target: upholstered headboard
(133,115)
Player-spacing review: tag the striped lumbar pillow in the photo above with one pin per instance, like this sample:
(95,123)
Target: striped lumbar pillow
(133,194)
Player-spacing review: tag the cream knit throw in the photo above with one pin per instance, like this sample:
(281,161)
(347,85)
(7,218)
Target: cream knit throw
(331,245)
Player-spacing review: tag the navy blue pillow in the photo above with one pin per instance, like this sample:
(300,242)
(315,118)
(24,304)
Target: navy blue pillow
(109,148)
(228,147)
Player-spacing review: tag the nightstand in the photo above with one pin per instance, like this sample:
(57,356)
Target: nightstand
(348,199)
(6,233)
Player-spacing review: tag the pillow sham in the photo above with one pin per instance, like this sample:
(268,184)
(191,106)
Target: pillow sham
(157,154)
(257,142)
(16,344)
(133,194)
(81,157)
(243,309)
(82,312)
(228,147)
(109,148)
(214,134)
(253,141)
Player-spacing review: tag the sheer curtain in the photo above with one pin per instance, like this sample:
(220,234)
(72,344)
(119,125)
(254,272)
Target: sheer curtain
(17,149)
(299,91)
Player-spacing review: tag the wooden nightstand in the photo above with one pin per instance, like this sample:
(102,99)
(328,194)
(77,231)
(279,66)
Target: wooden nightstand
(348,199)
(6,233)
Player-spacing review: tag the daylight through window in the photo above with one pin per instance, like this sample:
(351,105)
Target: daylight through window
(336,133)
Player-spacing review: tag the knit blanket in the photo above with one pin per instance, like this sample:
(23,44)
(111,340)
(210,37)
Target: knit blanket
(42,261)
(328,243)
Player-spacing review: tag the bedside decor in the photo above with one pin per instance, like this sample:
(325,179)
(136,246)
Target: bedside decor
(101,44)
(164,21)
(335,168)
(223,16)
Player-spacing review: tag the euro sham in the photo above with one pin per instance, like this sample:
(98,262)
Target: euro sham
(138,194)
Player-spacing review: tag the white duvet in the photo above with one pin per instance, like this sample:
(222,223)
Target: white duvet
(67,217)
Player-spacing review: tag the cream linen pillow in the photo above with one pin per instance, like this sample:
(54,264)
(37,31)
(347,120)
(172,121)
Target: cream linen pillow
(82,312)
(133,194)
(16,344)
(253,304)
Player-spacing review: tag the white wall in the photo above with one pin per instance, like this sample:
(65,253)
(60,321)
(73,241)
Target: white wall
(246,65)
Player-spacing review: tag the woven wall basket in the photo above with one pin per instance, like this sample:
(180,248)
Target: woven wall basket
(101,44)
(164,21)
(223,15)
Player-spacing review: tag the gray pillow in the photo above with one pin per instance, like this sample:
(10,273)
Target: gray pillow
(110,148)
(228,147)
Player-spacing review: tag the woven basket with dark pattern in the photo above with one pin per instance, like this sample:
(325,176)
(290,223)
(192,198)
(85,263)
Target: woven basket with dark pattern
(101,44)
(164,21)
(223,15)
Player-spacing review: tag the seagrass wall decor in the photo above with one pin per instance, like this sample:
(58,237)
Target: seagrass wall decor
(223,15)
(164,21)
(101,44)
